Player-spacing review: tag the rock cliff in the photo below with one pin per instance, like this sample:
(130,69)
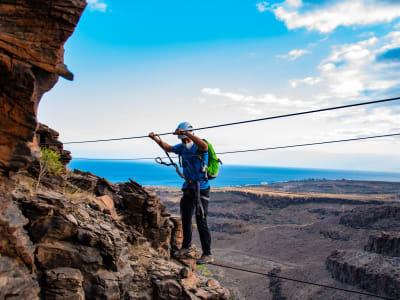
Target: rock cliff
(78,236)
(377,269)
(32,36)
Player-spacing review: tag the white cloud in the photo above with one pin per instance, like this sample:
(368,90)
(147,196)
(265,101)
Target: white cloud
(262,103)
(378,121)
(262,6)
(294,3)
(308,81)
(294,54)
(97,5)
(394,41)
(351,69)
(341,13)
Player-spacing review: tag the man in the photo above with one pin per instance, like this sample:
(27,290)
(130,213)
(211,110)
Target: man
(196,189)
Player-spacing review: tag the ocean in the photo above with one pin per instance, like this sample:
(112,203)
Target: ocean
(152,174)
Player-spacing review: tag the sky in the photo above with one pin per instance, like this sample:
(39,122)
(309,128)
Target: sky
(143,66)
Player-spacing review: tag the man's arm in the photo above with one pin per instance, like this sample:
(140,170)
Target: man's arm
(167,147)
(198,141)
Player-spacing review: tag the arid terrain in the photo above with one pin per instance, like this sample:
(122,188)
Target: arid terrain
(292,228)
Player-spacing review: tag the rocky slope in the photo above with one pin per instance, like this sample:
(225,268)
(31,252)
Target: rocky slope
(77,236)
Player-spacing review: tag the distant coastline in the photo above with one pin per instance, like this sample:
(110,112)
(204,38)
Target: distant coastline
(230,175)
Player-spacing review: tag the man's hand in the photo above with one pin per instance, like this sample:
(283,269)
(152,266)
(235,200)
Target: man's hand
(152,135)
(158,140)
(180,132)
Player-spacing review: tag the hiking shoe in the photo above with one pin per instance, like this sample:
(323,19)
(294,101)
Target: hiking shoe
(205,259)
(183,251)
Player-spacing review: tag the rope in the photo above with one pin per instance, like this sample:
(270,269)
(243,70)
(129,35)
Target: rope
(243,122)
(298,281)
(260,149)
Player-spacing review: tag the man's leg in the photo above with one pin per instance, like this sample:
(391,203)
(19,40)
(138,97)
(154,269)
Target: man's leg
(187,209)
(205,236)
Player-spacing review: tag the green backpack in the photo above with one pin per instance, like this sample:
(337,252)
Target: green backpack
(213,161)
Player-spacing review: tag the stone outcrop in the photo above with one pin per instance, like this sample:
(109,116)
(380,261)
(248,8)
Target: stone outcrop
(377,269)
(65,245)
(16,281)
(369,271)
(31,59)
(386,217)
(386,243)
(47,137)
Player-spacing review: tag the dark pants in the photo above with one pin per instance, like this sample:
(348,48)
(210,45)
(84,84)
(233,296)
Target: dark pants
(188,207)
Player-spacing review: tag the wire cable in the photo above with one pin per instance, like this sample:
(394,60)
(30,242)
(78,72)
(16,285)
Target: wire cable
(297,280)
(259,149)
(244,122)
(311,144)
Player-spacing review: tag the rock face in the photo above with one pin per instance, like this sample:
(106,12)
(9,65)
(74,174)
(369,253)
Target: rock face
(385,243)
(67,244)
(370,271)
(385,217)
(377,271)
(31,59)
(47,137)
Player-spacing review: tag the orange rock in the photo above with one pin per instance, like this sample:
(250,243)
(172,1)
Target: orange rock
(106,202)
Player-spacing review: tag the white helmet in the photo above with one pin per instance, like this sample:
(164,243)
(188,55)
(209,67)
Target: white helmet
(185,126)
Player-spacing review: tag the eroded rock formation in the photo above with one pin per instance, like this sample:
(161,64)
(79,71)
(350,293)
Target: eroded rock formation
(32,36)
(369,271)
(377,269)
(384,243)
(385,217)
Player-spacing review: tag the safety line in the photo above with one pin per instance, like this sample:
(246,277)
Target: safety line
(259,149)
(311,144)
(298,281)
(243,122)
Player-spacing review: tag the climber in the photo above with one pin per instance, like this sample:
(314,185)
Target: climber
(196,188)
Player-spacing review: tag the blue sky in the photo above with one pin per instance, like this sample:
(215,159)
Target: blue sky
(144,66)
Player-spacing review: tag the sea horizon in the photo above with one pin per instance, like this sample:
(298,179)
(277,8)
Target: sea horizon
(151,174)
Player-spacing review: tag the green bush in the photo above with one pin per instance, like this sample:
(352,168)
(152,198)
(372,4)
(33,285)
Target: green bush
(49,164)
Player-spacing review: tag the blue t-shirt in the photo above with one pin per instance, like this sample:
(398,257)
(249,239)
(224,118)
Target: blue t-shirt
(192,165)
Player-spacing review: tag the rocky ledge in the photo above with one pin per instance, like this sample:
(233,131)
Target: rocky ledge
(90,239)
(385,217)
(369,271)
(385,243)
(377,269)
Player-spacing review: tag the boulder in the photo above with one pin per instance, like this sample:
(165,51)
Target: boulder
(168,289)
(64,284)
(105,286)
(14,241)
(16,282)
